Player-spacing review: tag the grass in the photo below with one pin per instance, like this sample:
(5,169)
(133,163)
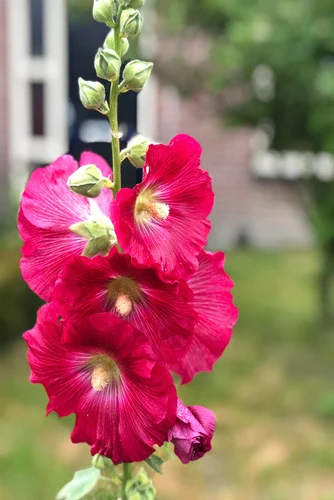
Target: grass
(272,392)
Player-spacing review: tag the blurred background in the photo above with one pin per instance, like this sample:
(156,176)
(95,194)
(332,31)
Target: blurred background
(254,83)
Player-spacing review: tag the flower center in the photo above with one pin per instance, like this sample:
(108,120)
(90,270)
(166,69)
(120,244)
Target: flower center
(122,293)
(105,372)
(147,208)
(123,304)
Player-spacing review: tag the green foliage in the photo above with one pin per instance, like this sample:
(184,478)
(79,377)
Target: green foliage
(82,483)
(295,40)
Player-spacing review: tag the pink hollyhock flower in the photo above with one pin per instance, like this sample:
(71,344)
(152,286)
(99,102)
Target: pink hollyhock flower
(217,315)
(192,433)
(133,292)
(124,401)
(163,220)
(48,210)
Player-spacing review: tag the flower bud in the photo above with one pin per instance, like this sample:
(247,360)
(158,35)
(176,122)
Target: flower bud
(100,234)
(109,43)
(136,151)
(92,94)
(104,11)
(107,64)
(88,181)
(131,22)
(140,487)
(136,73)
(132,4)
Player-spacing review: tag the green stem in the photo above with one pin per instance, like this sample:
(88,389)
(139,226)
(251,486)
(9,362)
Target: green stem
(113,116)
(126,478)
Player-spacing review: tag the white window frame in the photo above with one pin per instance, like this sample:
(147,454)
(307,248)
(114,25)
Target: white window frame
(50,69)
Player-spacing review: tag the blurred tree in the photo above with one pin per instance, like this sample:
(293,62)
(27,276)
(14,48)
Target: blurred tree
(273,62)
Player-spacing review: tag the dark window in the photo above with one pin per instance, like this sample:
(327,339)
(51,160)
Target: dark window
(36,25)
(37,99)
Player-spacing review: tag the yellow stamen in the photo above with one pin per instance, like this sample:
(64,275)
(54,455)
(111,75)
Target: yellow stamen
(101,378)
(123,304)
(105,372)
(147,208)
(158,210)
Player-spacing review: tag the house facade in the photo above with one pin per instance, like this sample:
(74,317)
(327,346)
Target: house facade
(34,130)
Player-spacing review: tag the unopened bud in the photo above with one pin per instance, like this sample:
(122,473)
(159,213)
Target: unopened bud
(88,181)
(136,73)
(100,234)
(92,94)
(131,22)
(140,487)
(109,43)
(136,151)
(132,4)
(104,11)
(107,64)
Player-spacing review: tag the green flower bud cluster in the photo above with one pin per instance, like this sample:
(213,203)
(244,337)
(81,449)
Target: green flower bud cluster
(92,95)
(88,181)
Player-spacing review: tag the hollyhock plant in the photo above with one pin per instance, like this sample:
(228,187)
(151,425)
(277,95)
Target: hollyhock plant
(217,315)
(163,220)
(133,292)
(48,211)
(123,399)
(192,433)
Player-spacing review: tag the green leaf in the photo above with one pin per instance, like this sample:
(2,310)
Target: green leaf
(82,483)
(155,463)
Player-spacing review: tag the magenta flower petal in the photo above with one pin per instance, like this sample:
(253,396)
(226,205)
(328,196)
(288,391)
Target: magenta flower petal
(163,220)
(134,292)
(107,375)
(192,433)
(48,209)
(217,315)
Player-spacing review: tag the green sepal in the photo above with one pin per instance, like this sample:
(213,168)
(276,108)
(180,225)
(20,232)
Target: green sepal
(155,463)
(99,233)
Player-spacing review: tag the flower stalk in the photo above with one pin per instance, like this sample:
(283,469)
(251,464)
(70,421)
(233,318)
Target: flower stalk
(127,470)
(113,114)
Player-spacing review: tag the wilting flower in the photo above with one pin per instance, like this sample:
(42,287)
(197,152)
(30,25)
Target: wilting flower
(217,315)
(134,292)
(163,220)
(192,433)
(55,223)
(107,375)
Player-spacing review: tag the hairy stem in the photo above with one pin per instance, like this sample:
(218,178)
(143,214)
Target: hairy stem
(113,116)
(126,477)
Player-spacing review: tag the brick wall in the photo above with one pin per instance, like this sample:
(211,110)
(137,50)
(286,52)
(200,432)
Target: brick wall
(263,213)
